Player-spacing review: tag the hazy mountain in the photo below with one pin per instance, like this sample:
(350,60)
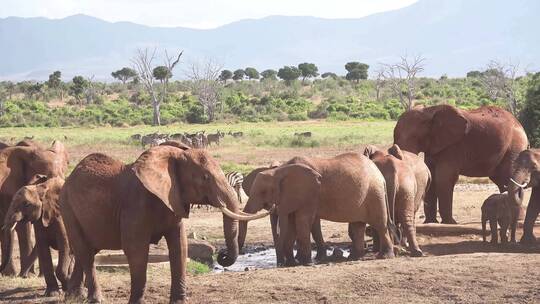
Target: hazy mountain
(454,35)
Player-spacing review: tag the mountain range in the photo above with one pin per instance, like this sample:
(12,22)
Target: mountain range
(455,36)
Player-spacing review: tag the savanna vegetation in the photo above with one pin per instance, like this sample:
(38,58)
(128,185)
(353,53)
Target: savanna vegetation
(291,93)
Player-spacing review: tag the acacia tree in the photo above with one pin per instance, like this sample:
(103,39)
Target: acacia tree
(124,74)
(289,74)
(77,88)
(225,75)
(400,77)
(499,82)
(143,63)
(308,70)
(269,74)
(252,73)
(356,71)
(206,86)
(239,75)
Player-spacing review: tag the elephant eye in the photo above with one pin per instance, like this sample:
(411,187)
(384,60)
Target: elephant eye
(206,177)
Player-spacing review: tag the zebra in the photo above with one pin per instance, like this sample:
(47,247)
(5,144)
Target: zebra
(235,179)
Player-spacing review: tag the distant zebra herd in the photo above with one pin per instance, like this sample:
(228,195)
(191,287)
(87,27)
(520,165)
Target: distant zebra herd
(198,140)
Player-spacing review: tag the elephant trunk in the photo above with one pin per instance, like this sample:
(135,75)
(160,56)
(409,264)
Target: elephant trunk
(7,247)
(230,227)
(243,225)
(517,182)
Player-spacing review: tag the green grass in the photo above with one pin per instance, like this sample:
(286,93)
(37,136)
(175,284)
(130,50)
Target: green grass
(196,268)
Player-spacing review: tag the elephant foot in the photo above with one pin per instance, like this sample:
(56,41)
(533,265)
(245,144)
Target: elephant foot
(321,255)
(179,301)
(290,263)
(76,295)
(528,239)
(450,221)
(354,256)
(416,253)
(431,220)
(99,300)
(9,271)
(53,292)
(386,254)
(493,242)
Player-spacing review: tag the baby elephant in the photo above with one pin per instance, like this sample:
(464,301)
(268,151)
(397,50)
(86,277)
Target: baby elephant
(498,208)
(38,203)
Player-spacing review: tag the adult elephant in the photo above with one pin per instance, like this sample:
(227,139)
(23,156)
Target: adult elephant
(407,181)
(106,204)
(18,165)
(526,173)
(347,188)
(476,143)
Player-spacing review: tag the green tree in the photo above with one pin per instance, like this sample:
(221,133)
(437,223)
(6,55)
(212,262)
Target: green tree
(530,115)
(55,83)
(308,70)
(78,87)
(474,74)
(162,73)
(252,73)
(329,74)
(239,75)
(269,74)
(356,71)
(124,74)
(225,75)
(289,74)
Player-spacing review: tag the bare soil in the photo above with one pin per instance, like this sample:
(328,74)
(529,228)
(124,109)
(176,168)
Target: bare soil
(456,269)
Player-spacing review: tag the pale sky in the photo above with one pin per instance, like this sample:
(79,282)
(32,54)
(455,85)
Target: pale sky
(195,13)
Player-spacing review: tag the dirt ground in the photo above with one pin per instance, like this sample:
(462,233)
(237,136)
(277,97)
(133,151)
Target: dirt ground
(456,269)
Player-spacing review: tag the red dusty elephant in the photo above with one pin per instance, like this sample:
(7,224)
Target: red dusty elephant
(476,143)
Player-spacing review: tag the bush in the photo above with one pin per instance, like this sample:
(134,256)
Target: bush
(530,115)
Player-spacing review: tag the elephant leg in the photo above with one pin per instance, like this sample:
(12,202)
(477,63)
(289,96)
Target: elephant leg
(357,231)
(386,249)
(316,232)
(533,209)
(513,226)
(274,223)
(287,236)
(63,268)
(136,246)
(75,283)
(406,219)
(493,228)
(178,247)
(445,180)
(24,232)
(10,267)
(46,265)
(304,222)
(504,232)
(430,200)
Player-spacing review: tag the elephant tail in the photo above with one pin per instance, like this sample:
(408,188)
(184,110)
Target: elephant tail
(392,228)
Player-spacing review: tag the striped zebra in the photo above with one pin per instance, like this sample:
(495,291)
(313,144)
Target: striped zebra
(236,179)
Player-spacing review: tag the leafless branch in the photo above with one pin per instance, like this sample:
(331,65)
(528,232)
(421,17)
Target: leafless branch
(205,84)
(499,82)
(401,78)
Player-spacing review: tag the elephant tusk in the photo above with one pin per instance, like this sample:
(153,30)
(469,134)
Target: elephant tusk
(243,217)
(8,227)
(518,184)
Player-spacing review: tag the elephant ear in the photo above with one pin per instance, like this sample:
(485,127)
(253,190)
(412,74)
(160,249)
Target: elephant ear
(157,169)
(448,127)
(395,151)
(294,184)
(49,193)
(370,150)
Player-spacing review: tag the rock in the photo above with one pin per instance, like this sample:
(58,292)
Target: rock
(201,251)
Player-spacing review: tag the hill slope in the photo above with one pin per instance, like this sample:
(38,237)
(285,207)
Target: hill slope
(454,35)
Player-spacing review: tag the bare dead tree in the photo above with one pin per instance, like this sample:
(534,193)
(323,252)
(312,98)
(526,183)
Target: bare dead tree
(401,78)
(379,82)
(143,64)
(205,85)
(170,64)
(499,82)
(90,90)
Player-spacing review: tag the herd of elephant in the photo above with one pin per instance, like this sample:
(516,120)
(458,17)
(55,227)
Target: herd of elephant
(106,204)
